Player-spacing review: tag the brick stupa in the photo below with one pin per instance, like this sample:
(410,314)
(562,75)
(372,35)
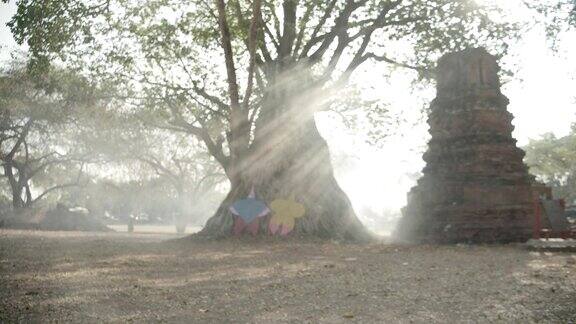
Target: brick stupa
(475,186)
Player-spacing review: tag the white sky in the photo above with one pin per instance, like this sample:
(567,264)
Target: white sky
(542,95)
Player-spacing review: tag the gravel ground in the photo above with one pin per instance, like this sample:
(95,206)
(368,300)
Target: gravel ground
(120,277)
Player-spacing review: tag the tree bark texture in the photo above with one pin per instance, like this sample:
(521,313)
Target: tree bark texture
(289,158)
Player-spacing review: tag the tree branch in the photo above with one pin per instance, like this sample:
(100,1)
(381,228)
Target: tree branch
(252,40)
(228,55)
(21,138)
(239,124)
(214,147)
(339,30)
(308,46)
(62,186)
(302,27)
(383,58)
(289,28)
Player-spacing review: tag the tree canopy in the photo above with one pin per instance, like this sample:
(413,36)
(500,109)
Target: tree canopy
(557,16)
(169,52)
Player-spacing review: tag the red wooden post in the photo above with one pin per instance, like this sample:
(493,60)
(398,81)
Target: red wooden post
(537,216)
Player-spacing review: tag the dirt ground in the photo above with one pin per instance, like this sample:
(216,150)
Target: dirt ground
(120,277)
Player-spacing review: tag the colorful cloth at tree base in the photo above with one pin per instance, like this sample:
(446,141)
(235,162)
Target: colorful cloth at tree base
(241,226)
(248,211)
(285,213)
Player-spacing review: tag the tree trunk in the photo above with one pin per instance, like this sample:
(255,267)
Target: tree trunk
(181,218)
(289,158)
(15,187)
(17,201)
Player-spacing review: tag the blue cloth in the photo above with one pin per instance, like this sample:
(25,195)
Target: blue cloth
(249,209)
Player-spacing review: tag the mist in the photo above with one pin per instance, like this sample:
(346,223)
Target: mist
(289,161)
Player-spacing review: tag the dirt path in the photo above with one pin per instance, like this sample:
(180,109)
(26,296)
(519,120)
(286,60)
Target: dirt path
(117,277)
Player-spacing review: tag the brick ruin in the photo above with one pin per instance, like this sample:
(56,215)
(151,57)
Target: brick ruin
(475,186)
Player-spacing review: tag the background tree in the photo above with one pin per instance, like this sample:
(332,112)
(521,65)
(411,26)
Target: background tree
(553,161)
(192,175)
(37,130)
(284,61)
(175,159)
(152,166)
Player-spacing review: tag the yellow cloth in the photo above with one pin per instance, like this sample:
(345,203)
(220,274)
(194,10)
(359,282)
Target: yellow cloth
(285,213)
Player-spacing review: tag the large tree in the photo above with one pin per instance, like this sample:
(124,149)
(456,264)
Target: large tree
(283,61)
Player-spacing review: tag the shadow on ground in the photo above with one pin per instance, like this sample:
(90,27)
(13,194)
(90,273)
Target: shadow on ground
(118,277)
